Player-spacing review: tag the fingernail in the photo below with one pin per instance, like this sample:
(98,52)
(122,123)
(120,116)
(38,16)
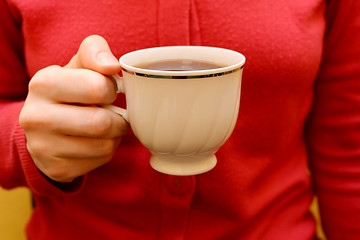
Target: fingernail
(106,58)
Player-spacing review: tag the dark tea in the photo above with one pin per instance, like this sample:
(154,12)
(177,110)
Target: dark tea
(179,65)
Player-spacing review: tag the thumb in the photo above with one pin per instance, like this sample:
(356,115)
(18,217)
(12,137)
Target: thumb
(94,54)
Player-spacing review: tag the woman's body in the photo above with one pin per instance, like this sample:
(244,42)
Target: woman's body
(261,187)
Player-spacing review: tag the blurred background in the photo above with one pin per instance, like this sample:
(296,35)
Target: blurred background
(15,210)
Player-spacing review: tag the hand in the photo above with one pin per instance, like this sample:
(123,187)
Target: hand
(67,133)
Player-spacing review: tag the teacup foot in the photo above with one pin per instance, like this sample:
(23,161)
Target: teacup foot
(183,166)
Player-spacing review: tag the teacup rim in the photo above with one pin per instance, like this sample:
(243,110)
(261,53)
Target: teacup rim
(182,74)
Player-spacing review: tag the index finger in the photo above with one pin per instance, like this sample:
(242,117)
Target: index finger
(81,86)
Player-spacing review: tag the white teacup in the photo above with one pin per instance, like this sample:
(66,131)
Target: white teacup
(181,117)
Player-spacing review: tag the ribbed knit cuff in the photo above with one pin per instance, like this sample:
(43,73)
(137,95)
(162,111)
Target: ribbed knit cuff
(37,182)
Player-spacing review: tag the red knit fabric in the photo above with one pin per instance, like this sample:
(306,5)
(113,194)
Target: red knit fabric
(300,109)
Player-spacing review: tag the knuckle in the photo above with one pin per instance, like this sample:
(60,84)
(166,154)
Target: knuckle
(37,149)
(26,119)
(98,89)
(43,79)
(100,122)
(107,146)
(32,117)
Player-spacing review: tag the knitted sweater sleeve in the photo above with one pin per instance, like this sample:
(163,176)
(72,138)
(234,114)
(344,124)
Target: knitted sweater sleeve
(16,165)
(334,124)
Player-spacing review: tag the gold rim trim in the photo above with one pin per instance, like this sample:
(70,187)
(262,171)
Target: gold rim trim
(182,77)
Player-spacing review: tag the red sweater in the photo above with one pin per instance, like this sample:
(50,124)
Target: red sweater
(300,110)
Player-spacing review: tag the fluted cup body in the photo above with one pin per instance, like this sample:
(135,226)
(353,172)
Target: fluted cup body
(183,118)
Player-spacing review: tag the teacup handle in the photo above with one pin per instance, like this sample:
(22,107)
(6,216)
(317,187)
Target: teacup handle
(119,83)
